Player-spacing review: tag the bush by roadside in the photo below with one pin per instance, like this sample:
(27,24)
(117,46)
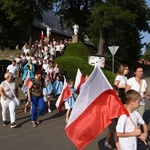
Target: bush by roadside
(76,56)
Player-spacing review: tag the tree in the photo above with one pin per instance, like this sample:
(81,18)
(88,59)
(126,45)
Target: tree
(17,17)
(76,12)
(112,22)
(146,55)
(119,22)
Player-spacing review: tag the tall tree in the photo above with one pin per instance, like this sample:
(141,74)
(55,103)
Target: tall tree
(146,55)
(119,22)
(112,22)
(76,12)
(17,16)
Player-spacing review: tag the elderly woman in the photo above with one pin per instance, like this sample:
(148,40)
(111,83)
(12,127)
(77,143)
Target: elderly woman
(8,89)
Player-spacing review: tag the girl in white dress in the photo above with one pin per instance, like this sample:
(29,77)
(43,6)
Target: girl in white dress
(69,102)
(121,80)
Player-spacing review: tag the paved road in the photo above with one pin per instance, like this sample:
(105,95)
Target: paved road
(49,135)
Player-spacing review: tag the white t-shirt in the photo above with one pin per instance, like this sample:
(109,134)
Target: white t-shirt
(62,46)
(28,58)
(125,125)
(18,60)
(58,48)
(23,57)
(45,67)
(52,50)
(122,79)
(56,69)
(26,51)
(50,71)
(136,86)
(13,69)
(7,90)
(34,61)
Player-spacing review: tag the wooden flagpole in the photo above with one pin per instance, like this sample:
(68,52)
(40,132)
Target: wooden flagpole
(136,127)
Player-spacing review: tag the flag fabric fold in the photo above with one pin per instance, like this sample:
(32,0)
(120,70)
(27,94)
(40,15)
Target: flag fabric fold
(78,80)
(93,110)
(64,95)
(25,84)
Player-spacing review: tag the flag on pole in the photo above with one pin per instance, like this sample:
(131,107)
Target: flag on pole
(42,36)
(64,95)
(93,110)
(78,80)
(25,84)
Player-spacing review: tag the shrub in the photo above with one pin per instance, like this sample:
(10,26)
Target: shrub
(69,65)
(76,56)
(78,50)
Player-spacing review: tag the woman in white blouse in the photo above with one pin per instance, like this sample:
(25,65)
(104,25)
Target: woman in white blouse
(138,84)
(8,90)
(121,80)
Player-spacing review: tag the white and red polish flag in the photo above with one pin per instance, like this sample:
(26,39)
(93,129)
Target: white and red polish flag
(93,110)
(64,94)
(78,80)
(25,84)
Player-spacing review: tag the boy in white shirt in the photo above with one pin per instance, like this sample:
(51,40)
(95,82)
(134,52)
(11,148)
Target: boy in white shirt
(126,130)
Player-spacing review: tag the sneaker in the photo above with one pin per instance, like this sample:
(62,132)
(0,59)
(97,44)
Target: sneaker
(4,123)
(49,110)
(108,145)
(13,125)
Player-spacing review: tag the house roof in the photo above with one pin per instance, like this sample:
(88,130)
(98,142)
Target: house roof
(51,20)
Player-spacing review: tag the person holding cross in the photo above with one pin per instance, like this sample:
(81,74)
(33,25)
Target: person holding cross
(127,127)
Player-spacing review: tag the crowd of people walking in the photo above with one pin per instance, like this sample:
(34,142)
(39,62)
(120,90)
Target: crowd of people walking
(133,92)
(42,81)
(45,81)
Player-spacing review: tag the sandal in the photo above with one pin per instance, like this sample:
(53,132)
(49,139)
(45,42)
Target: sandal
(33,124)
(38,122)
(25,110)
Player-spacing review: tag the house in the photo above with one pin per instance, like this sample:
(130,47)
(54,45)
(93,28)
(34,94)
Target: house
(52,27)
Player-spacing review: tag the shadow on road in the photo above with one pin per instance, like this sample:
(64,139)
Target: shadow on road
(103,147)
(146,116)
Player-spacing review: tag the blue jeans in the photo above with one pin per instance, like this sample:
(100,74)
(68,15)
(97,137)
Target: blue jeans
(38,105)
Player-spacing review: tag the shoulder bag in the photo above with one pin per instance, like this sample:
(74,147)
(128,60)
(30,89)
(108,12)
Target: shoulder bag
(16,99)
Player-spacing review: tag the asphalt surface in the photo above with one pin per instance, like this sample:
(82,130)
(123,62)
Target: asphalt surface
(50,134)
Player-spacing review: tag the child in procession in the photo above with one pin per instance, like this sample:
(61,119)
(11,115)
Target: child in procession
(127,127)
(27,73)
(47,90)
(69,102)
(112,127)
(57,87)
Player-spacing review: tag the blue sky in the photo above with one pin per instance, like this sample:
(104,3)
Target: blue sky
(146,35)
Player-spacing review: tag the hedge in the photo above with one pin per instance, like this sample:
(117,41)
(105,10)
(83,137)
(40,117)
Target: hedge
(76,56)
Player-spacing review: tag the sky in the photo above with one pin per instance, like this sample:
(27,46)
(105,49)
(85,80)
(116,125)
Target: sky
(146,35)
